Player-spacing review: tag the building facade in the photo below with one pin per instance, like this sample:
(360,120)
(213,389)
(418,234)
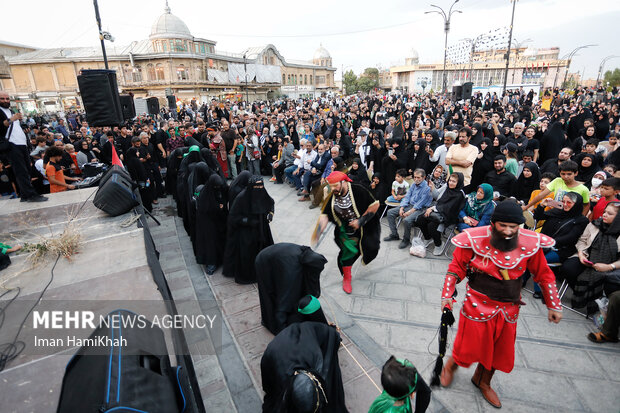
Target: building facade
(170,62)
(486,68)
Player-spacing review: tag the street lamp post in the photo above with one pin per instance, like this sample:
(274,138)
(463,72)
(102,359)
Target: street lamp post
(245,70)
(570,56)
(512,19)
(446,28)
(600,68)
(518,45)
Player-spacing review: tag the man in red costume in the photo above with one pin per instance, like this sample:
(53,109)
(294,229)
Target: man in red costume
(494,258)
(352,209)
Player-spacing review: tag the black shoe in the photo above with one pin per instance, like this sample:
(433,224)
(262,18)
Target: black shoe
(36,198)
(391,237)
(403,244)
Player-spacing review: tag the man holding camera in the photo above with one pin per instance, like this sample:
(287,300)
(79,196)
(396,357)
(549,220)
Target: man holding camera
(17,150)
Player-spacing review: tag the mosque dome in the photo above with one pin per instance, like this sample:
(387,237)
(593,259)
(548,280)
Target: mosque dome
(169,26)
(413,56)
(321,53)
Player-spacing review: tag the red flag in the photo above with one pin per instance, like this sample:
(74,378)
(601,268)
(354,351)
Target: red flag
(115,159)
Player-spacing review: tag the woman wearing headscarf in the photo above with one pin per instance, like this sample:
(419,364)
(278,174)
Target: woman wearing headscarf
(442,212)
(432,139)
(587,168)
(528,181)
(476,137)
(479,207)
(238,185)
(552,142)
(84,153)
(248,231)
(198,176)
(419,157)
(595,266)
(174,161)
(393,161)
(482,165)
(192,156)
(358,173)
(437,181)
(498,143)
(211,219)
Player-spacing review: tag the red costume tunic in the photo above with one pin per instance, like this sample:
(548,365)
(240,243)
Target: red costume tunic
(488,328)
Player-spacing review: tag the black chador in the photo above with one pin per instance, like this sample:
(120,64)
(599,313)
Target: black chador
(248,231)
(300,370)
(197,174)
(285,273)
(211,217)
(238,185)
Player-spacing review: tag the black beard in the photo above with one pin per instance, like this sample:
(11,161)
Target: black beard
(499,241)
(5,105)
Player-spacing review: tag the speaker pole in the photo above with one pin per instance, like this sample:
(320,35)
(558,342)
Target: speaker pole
(105,56)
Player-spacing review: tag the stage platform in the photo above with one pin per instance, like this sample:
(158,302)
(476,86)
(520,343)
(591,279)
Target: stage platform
(112,264)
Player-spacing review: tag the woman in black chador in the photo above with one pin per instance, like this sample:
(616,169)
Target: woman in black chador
(248,231)
(211,217)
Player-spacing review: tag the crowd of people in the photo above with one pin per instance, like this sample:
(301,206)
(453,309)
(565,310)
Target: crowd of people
(434,163)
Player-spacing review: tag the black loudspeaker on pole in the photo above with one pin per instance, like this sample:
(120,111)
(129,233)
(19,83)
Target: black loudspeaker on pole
(99,92)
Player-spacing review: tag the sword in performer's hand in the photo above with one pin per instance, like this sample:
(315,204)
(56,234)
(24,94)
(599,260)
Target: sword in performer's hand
(319,228)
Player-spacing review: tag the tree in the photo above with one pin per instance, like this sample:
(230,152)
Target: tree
(612,77)
(350,82)
(369,79)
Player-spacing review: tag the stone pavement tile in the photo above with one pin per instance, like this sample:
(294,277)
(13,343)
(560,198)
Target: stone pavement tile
(179,283)
(208,370)
(360,287)
(348,365)
(597,395)
(228,290)
(342,299)
(377,330)
(253,343)
(397,291)
(425,278)
(254,364)
(458,401)
(526,384)
(184,293)
(213,387)
(566,331)
(360,393)
(389,309)
(219,402)
(412,338)
(555,359)
(245,321)
(240,303)
(532,306)
(386,275)
(432,295)
(217,278)
(429,314)
(177,274)
(610,362)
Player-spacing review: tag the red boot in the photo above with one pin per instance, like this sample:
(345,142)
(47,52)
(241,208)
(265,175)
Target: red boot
(447,373)
(346,280)
(485,388)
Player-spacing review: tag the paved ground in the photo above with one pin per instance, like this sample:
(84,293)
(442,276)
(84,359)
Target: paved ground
(394,309)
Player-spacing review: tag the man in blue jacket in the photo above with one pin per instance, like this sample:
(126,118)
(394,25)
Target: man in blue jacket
(415,202)
(317,165)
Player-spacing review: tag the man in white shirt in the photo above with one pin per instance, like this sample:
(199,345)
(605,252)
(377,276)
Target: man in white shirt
(461,157)
(306,157)
(18,150)
(440,153)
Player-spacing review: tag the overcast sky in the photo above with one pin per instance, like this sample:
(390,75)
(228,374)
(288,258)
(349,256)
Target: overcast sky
(357,34)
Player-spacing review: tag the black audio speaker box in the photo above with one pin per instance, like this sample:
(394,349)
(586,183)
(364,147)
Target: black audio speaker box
(133,376)
(117,193)
(467,88)
(99,92)
(457,92)
(172,102)
(127,107)
(152,105)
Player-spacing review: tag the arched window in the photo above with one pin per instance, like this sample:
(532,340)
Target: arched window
(150,72)
(136,74)
(159,71)
(289,80)
(305,79)
(127,72)
(199,73)
(181,73)
(283,79)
